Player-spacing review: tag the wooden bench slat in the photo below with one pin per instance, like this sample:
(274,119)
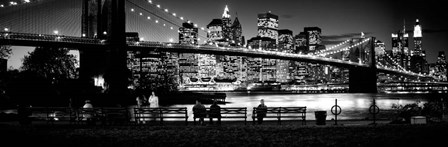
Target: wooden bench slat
(283,112)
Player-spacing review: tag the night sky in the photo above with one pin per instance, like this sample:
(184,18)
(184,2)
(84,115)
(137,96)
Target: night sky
(337,19)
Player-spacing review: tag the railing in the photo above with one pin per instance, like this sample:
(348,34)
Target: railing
(48,38)
(71,39)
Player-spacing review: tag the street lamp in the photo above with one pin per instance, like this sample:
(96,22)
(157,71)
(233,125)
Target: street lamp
(6,29)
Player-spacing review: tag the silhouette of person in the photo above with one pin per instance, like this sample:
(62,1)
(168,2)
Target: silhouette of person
(88,112)
(199,111)
(261,111)
(215,112)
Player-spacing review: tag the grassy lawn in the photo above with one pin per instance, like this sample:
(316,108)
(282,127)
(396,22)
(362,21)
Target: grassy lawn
(226,135)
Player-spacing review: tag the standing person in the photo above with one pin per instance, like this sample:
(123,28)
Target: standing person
(199,111)
(139,101)
(145,101)
(215,112)
(154,103)
(153,100)
(261,111)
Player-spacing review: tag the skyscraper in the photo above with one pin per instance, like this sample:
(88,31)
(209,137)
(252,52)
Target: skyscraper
(237,33)
(286,44)
(227,25)
(268,26)
(400,48)
(188,34)
(418,50)
(418,58)
(300,43)
(314,39)
(285,41)
(215,32)
(223,32)
(188,62)
(441,67)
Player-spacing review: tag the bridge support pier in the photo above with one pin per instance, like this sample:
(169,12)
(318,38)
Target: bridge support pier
(106,19)
(362,80)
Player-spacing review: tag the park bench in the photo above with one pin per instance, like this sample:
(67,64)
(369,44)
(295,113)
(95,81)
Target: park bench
(114,115)
(53,114)
(144,114)
(283,112)
(229,112)
(84,114)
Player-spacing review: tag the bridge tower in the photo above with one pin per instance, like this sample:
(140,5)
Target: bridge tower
(361,79)
(105,19)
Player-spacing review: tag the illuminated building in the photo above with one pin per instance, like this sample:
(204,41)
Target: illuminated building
(380,51)
(285,44)
(262,43)
(400,48)
(285,41)
(268,26)
(314,39)
(144,67)
(418,58)
(188,62)
(223,32)
(418,50)
(261,69)
(300,43)
(253,70)
(152,68)
(440,68)
(267,39)
(237,33)
(207,67)
(227,25)
(188,34)
(215,32)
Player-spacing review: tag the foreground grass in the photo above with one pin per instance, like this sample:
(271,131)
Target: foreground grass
(231,135)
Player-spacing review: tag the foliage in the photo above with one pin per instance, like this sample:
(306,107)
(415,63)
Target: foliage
(28,88)
(5,52)
(407,111)
(51,63)
(431,110)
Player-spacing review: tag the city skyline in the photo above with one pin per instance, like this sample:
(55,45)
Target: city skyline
(348,18)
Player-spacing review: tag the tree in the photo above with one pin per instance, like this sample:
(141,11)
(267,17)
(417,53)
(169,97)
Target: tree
(54,64)
(5,52)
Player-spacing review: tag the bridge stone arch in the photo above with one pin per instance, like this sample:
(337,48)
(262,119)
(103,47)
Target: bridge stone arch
(361,79)
(105,19)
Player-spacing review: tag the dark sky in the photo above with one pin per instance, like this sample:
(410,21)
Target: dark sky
(334,17)
(379,18)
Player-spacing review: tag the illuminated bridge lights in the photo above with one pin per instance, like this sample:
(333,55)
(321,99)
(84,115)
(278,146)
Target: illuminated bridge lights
(69,39)
(167,11)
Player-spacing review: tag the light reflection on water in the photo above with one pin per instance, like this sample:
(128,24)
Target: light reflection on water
(354,106)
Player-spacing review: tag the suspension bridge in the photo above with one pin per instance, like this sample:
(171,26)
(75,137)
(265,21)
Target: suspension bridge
(100,27)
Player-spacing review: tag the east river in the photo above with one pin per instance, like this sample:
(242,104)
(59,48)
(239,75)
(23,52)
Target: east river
(354,106)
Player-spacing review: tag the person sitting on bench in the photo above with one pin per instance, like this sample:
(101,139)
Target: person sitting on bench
(199,111)
(215,112)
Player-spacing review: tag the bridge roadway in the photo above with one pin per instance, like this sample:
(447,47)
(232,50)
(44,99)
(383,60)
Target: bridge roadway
(27,39)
